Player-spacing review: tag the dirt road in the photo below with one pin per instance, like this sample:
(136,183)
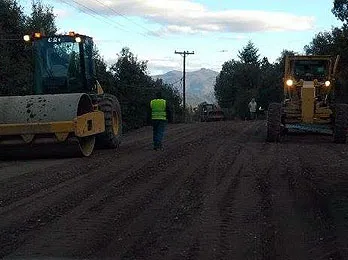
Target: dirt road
(217,191)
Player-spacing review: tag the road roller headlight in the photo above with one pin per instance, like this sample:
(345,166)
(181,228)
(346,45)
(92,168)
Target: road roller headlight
(37,35)
(26,38)
(327,83)
(289,82)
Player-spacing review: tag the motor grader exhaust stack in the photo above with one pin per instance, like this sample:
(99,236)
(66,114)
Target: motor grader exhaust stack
(69,106)
(309,101)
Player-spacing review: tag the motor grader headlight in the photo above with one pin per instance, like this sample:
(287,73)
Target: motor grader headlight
(289,82)
(26,38)
(327,83)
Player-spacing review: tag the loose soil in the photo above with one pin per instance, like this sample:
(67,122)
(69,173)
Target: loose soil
(216,191)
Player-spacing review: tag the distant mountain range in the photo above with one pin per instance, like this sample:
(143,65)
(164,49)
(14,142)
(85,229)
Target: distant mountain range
(199,84)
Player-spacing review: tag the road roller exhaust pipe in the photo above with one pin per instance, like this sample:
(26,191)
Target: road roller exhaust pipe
(45,119)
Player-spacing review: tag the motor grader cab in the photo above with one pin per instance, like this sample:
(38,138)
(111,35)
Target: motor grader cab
(68,105)
(308,105)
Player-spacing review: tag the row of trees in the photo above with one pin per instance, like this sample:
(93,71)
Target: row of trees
(16,63)
(247,77)
(128,78)
(250,76)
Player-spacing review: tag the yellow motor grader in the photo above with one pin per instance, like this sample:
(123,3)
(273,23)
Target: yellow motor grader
(308,104)
(68,105)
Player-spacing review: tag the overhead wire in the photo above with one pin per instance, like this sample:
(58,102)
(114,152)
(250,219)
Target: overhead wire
(92,12)
(125,17)
(96,15)
(173,83)
(13,39)
(111,22)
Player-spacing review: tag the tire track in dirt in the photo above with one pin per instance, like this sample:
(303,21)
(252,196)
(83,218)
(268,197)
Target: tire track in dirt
(217,192)
(61,203)
(316,203)
(26,184)
(217,215)
(191,194)
(144,242)
(177,149)
(306,171)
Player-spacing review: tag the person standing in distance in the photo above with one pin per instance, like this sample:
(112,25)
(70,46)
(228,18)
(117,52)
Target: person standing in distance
(252,108)
(160,112)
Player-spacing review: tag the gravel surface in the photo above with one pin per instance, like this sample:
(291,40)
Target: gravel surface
(217,191)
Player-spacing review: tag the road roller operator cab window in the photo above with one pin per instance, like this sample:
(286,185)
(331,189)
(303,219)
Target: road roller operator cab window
(63,64)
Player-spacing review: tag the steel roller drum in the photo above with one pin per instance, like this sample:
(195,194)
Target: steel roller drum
(40,108)
(43,109)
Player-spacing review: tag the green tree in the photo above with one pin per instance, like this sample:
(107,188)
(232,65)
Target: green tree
(225,88)
(15,67)
(323,43)
(340,10)
(271,83)
(16,63)
(239,81)
(249,54)
(42,19)
(103,73)
(334,43)
(135,89)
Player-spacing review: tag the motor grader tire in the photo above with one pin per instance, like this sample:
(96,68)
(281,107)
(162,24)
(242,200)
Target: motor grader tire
(274,122)
(111,137)
(341,124)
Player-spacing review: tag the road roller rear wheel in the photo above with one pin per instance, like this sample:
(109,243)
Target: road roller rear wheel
(111,138)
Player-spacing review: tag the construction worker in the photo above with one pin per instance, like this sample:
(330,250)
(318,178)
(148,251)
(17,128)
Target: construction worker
(159,114)
(252,108)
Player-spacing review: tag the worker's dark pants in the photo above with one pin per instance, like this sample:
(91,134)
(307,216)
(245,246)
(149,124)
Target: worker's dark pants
(252,115)
(158,132)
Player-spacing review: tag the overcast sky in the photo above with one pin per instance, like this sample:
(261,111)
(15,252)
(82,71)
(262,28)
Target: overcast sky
(214,29)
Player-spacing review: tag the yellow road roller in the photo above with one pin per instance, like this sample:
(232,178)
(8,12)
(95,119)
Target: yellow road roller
(68,105)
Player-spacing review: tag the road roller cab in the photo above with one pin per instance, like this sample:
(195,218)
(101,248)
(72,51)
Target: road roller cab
(63,64)
(68,105)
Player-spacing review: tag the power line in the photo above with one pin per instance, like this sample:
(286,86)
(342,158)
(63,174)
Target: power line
(5,40)
(118,13)
(175,82)
(184,54)
(96,15)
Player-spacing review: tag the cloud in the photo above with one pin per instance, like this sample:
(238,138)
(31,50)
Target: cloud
(238,37)
(189,17)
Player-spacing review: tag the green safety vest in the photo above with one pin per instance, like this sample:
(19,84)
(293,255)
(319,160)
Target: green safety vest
(158,107)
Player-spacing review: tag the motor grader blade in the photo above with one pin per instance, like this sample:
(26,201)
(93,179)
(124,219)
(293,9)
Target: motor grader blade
(47,119)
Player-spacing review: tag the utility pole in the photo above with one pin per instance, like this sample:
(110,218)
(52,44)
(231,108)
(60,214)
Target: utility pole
(184,53)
